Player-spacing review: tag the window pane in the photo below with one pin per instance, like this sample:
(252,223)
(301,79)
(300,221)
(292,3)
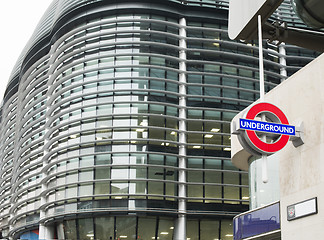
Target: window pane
(119,187)
(209,230)
(192,230)
(85,190)
(102,173)
(85,228)
(70,229)
(165,229)
(137,187)
(104,227)
(125,228)
(86,175)
(146,228)
(102,188)
(226,229)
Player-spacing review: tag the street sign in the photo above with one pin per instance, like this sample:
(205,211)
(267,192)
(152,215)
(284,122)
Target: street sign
(243,16)
(302,209)
(259,126)
(251,130)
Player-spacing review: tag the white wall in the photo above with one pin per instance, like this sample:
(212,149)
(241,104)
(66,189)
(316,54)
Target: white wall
(301,169)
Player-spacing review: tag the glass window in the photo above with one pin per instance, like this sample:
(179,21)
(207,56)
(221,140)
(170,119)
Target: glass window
(85,190)
(228,116)
(213,177)
(231,178)
(158,85)
(104,228)
(105,110)
(102,173)
(86,175)
(171,111)
(122,108)
(155,173)
(119,173)
(226,229)
(210,91)
(137,187)
(119,159)
(88,124)
(195,190)
(72,177)
(212,68)
(119,187)
(156,121)
(209,229)
(72,163)
(138,159)
(170,189)
(60,194)
(121,134)
(71,192)
(165,230)
(155,188)
(229,93)
(195,126)
(195,114)
(138,172)
(85,228)
(195,163)
(70,231)
(86,161)
(192,229)
(103,159)
(146,228)
(156,159)
(231,193)
(195,90)
(125,227)
(102,188)
(158,109)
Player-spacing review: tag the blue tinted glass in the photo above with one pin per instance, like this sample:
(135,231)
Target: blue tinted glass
(257,222)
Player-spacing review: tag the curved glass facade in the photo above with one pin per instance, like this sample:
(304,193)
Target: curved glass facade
(118,122)
(262,194)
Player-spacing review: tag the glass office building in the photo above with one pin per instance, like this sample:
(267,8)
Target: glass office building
(116,121)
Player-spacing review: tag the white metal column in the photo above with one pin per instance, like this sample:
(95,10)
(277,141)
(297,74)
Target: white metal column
(282,61)
(180,228)
(46,232)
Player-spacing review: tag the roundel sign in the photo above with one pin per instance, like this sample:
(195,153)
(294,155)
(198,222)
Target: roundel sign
(264,129)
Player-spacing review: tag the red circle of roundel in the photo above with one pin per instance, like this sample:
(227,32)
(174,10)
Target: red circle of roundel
(267,147)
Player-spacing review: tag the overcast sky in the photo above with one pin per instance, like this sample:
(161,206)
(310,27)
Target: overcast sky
(18,19)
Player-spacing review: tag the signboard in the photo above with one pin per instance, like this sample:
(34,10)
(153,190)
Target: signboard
(264,137)
(302,209)
(243,16)
(267,127)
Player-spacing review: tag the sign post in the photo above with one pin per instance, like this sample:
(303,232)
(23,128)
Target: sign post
(261,73)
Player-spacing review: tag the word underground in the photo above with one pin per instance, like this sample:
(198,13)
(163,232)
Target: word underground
(276,128)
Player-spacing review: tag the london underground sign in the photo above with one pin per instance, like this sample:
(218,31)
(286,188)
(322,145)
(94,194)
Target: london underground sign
(275,128)
(264,137)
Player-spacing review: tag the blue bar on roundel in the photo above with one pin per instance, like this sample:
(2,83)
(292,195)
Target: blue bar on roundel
(259,126)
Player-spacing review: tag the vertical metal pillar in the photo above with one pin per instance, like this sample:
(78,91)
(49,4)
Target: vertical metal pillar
(282,61)
(261,68)
(44,232)
(60,231)
(282,53)
(180,228)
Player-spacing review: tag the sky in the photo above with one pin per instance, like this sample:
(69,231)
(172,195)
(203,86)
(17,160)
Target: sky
(18,20)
